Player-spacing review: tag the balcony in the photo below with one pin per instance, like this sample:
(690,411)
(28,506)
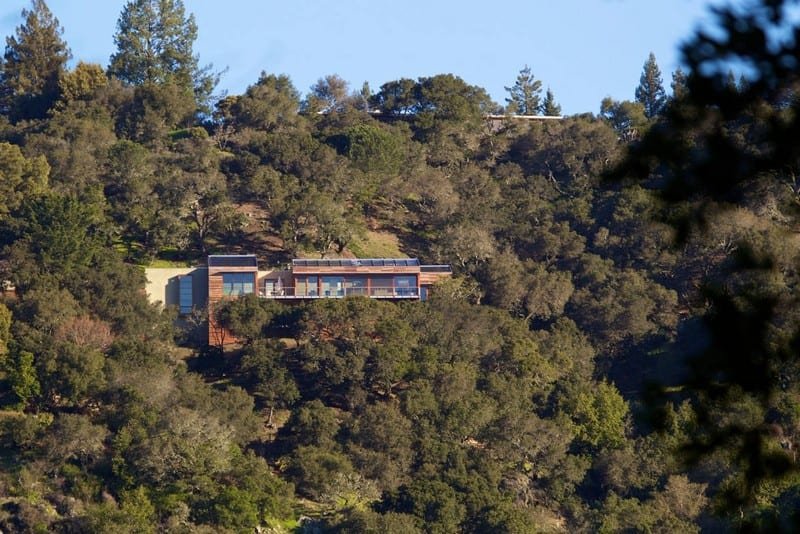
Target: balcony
(288,293)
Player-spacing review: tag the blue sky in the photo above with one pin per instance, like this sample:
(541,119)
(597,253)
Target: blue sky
(583,50)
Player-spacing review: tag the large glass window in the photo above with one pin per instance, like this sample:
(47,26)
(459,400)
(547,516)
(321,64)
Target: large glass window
(236,284)
(306,286)
(333,286)
(355,285)
(405,286)
(381,286)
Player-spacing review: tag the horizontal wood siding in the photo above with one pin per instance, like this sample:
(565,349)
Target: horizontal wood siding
(214,287)
(214,270)
(217,335)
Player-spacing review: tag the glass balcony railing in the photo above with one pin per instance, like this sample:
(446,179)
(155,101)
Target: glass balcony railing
(372,292)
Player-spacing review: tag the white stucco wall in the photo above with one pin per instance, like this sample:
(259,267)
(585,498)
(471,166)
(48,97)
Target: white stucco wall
(162,284)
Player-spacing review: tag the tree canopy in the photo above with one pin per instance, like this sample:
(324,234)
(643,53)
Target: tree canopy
(615,351)
(155,45)
(650,92)
(34,59)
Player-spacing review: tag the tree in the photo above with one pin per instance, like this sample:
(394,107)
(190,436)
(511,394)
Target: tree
(446,97)
(679,84)
(717,142)
(329,94)
(525,94)
(373,148)
(20,178)
(629,119)
(361,98)
(5,330)
(549,107)
(22,377)
(60,235)
(155,42)
(34,60)
(71,374)
(600,416)
(83,82)
(396,97)
(136,513)
(570,154)
(263,365)
(270,104)
(650,92)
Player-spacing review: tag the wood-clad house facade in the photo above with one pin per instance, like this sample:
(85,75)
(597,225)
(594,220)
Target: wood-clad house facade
(379,278)
(231,276)
(228,277)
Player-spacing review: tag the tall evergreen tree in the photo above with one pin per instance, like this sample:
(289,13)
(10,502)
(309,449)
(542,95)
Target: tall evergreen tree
(525,95)
(33,61)
(363,97)
(549,106)
(155,42)
(650,92)
(678,85)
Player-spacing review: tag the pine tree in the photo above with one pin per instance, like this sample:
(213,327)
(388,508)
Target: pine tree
(650,92)
(678,85)
(363,97)
(34,60)
(730,81)
(155,42)
(549,107)
(525,94)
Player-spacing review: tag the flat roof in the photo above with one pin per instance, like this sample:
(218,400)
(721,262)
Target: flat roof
(232,260)
(364,262)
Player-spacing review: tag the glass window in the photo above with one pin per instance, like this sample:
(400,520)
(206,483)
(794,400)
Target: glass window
(381,286)
(355,285)
(185,294)
(332,286)
(273,287)
(236,284)
(307,286)
(405,286)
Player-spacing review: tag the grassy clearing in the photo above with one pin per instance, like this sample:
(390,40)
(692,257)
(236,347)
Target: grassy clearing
(376,245)
(159,262)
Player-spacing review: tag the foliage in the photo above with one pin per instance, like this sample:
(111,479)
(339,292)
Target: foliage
(525,94)
(33,62)
(514,399)
(650,92)
(154,42)
(549,106)
(83,82)
(22,178)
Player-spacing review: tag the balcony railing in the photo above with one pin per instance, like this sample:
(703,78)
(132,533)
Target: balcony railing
(372,292)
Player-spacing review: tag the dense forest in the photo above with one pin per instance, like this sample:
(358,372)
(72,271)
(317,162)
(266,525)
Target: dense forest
(617,349)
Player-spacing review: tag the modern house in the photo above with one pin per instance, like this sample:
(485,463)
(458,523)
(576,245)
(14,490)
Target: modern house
(231,276)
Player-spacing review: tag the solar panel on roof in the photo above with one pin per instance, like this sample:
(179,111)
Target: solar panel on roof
(248,260)
(362,262)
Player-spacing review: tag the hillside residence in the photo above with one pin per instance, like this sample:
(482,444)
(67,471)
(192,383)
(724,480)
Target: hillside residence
(231,276)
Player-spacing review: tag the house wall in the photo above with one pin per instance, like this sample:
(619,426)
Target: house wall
(216,334)
(162,285)
(427,279)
